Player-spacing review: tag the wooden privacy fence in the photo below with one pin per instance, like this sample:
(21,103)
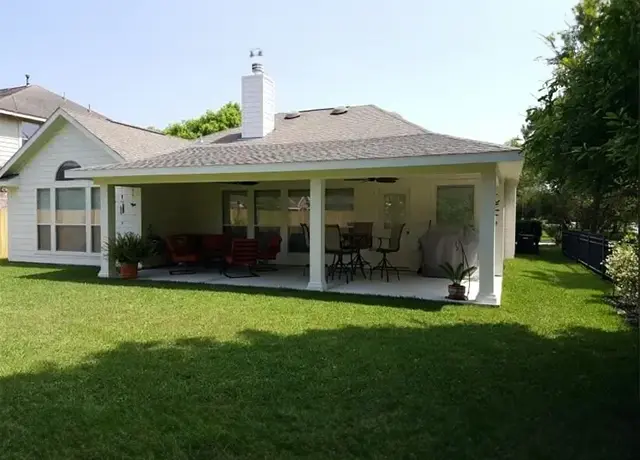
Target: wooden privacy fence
(4,234)
(588,249)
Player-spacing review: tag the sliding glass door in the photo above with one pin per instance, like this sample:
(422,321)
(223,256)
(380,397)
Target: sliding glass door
(235,213)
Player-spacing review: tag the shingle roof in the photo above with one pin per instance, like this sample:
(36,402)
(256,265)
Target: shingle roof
(35,100)
(364,132)
(360,122)
(245,153)
(130,142)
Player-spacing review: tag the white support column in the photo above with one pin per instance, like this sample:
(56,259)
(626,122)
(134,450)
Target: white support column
(251,207)
(317,280)
(107,228)
(510,190)
(499,227)
(486,250)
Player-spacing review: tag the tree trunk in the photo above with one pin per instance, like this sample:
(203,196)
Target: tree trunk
(594,214)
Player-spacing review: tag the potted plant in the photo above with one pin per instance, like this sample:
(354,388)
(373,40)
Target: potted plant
(456,290)
(128,250)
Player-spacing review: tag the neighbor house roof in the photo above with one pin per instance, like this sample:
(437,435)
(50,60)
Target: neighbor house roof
(34,101)
(364,132)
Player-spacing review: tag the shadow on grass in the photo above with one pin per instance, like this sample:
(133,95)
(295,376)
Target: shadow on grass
(550,254)
(88,275)
(466,391)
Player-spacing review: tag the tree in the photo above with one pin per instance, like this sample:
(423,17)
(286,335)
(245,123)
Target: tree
(228,116)
(582,136)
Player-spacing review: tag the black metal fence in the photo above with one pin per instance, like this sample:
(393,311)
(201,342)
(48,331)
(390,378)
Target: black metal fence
(588,249)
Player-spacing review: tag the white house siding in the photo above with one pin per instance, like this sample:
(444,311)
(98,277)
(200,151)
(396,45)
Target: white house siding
(9,138)
(68,144)
(197,208)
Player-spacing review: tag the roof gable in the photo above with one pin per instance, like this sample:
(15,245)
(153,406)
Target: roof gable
(130,142)
(122,142)
(42,136)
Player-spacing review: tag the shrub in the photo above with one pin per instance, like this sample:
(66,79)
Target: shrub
(622,266)
(129,248)
(553,230)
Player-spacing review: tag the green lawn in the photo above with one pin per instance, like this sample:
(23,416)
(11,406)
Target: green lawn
(93,369)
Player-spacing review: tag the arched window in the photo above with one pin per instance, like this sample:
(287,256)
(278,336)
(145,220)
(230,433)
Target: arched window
(67,165)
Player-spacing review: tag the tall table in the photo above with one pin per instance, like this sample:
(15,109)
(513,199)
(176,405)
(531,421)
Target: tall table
(356,241)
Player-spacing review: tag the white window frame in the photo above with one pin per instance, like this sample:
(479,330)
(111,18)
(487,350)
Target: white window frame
(87,185)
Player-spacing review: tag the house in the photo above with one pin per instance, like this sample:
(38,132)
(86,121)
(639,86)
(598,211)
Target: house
(23,109)
(71,183)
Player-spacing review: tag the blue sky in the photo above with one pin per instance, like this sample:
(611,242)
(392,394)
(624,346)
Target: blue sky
(461,67)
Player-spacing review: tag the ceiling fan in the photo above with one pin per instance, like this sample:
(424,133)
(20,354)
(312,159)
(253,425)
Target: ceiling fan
(381,180)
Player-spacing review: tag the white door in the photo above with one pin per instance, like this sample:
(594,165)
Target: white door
(394,207)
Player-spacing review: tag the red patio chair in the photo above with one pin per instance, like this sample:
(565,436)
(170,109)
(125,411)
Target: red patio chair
(244,253)
(269,250)
(213,248)
(183,252)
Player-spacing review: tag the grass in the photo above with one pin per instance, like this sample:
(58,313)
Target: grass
(94,369)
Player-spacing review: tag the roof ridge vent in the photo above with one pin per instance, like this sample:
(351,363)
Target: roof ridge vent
(341,109)
(292,115)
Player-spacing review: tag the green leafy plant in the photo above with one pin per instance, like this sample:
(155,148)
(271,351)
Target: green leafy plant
(623,268)
(456,275)
(129,248)
(228,116)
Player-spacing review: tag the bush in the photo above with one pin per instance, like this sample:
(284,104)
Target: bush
(553,230)
(129,248)
(623,268)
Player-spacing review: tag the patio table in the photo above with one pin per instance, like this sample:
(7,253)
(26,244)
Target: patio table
(355,241)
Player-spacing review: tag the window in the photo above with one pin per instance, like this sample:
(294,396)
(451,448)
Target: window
(395,209)
(339,208)
(71,219)
(454,205)
(235,217)
(44,219)
(298,207)
(267,213)
(75,226)
(27,129)
(96,242)
(67,165)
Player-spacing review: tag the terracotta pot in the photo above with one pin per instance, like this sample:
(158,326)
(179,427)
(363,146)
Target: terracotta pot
(457,292)
(129,271)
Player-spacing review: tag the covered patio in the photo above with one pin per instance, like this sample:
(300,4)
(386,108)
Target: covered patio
(415,200)
(410,284)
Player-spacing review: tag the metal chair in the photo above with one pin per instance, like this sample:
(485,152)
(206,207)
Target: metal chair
(269,248)
(335,245)
(361,239)
(183,253)
(244,253)
(393,246)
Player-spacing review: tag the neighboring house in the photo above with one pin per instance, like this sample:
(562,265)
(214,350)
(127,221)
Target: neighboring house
(22,110)
(278,170)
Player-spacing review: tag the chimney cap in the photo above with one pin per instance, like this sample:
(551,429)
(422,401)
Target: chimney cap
(256,67)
